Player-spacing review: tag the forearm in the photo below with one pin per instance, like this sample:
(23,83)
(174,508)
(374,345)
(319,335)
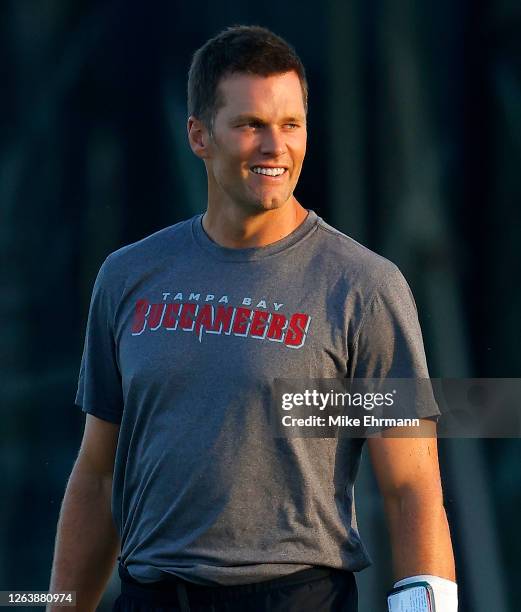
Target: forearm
(420,536)
(87,543)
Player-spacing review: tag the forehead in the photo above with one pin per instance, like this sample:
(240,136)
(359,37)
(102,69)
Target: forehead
(279,94)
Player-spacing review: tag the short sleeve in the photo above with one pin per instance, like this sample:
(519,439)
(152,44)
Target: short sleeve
(389,343)
(99,384)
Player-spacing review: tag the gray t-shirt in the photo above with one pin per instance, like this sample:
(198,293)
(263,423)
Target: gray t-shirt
(183,342)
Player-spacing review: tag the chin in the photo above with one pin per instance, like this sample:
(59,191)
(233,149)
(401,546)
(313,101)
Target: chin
(271,203)
(258,203)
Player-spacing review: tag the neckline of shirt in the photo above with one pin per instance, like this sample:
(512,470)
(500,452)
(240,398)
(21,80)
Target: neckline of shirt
(307,227)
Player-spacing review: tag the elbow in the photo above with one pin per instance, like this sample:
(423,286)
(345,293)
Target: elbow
(416,498)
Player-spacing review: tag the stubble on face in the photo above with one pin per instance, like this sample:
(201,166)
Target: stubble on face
(261,124)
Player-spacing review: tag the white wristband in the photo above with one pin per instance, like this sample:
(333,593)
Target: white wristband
(445,591)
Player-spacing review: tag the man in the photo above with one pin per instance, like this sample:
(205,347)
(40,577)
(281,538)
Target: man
(187,331)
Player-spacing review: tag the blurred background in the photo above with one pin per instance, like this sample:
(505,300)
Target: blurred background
(414,150)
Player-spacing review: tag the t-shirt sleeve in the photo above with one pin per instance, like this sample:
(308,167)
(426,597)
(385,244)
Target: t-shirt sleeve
(389,343)
(99,384)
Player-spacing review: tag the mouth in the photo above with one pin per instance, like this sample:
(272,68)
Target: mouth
(269,172)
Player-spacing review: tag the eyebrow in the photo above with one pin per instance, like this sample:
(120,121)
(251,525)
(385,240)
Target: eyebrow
(247,118)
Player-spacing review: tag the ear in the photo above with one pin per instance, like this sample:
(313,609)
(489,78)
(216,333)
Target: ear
(198,137)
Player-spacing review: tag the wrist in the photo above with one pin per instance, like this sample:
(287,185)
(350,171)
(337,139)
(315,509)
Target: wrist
(444,592)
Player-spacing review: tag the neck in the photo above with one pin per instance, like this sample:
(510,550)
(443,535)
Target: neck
(236,229)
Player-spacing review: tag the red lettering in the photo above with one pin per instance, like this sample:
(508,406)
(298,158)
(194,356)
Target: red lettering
(223,319)
(276,328)
(258,324)
(170,318)
(297,330)
(204,318)
(241,322)
(186,320)
(140,316)
(156,314)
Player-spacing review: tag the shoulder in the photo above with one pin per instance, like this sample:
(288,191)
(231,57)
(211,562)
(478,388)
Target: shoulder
(360,264)
(166,242)
(135,259)
(163,243)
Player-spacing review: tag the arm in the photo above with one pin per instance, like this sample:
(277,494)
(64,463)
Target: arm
(87,543)
(408,477)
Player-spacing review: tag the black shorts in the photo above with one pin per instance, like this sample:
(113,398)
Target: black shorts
(314,590)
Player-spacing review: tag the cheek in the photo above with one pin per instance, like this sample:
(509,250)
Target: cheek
(238,155)
(230,170)
(300,147)
(226,163)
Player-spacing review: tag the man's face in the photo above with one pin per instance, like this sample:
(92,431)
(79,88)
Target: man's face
(259,141)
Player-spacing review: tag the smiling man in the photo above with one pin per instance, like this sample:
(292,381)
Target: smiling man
(253,152)
(181,474)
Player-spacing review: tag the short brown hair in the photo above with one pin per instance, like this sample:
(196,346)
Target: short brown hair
(238,49)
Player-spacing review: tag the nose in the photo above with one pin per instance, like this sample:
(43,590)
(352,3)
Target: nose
(272,142)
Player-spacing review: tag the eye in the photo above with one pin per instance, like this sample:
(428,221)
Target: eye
(292,126)
(252,124)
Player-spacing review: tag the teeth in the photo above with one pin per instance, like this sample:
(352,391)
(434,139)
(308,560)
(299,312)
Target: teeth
(269,171)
